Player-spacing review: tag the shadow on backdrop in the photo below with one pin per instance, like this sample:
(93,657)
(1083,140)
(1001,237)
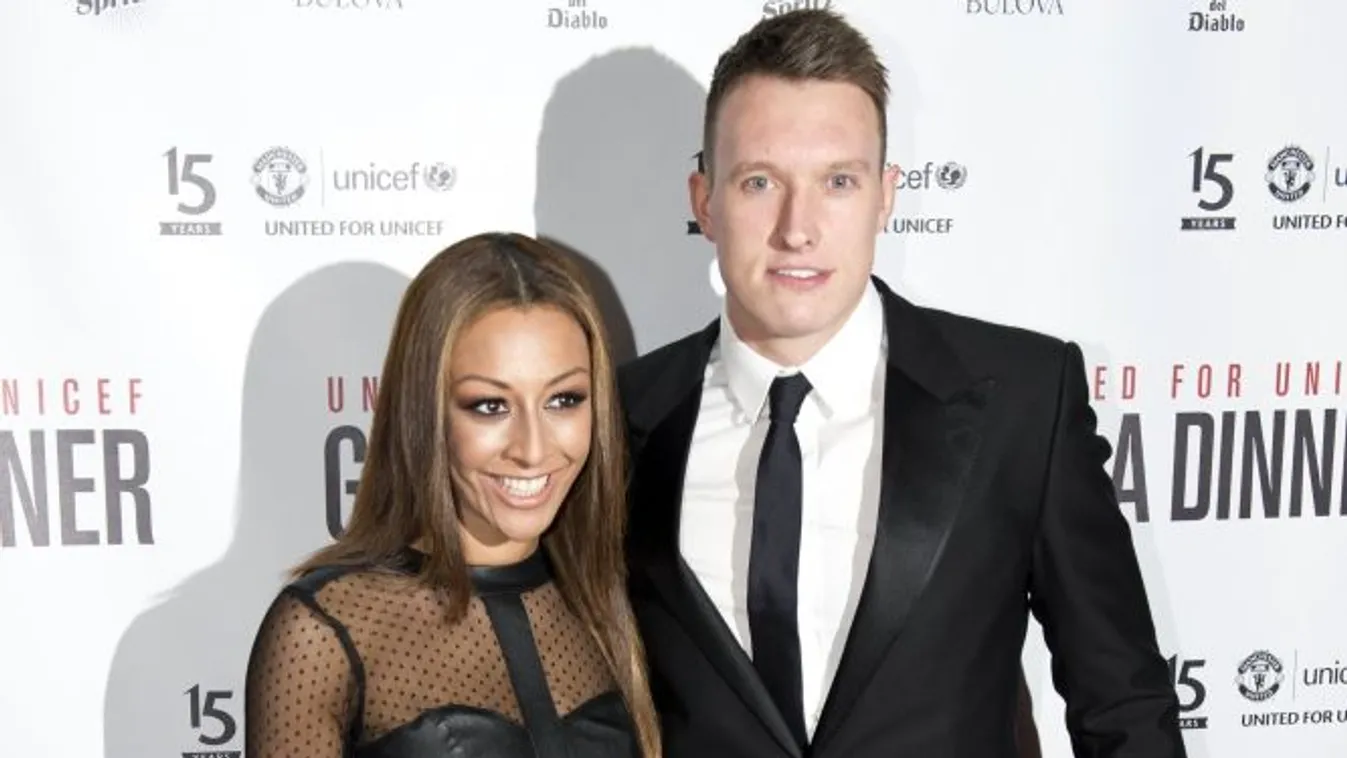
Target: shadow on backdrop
(333,322)
(619,137)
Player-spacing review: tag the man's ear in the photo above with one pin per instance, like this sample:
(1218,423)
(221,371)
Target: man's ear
(699,196)
(889,187)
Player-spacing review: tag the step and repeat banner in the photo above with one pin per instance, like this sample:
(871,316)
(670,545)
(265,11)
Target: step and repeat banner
(208,212)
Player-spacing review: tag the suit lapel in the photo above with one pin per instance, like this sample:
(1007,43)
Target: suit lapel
(932,432)
(660,458)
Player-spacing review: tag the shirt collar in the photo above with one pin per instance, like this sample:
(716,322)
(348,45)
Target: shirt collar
(842,372)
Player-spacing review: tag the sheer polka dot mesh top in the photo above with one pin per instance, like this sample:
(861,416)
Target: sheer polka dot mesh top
(359,662)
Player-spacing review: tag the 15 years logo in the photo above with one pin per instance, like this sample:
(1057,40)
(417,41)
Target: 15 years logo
(195,194)
(1210,182)
(1185,674)
(213,722)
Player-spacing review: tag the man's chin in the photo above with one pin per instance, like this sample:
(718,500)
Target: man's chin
(799,326)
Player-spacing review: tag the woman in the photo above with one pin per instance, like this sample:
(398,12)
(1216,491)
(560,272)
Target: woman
(476,604)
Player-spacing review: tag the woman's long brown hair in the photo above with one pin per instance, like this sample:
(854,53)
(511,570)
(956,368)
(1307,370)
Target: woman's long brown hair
(407,491)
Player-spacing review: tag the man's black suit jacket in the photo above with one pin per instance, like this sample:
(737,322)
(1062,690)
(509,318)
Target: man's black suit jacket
(994,503)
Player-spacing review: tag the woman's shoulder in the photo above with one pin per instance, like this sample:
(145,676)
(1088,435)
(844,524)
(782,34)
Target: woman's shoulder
(322,584)
(328,601)
(317,578)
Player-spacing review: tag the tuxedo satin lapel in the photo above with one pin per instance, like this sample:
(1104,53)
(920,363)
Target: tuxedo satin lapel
(729,658)
(929,449)
(656,502)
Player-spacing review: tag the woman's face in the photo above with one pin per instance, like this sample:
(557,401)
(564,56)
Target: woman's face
(519,426)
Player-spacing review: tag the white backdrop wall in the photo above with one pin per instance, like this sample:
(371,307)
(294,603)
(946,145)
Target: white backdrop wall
(187,346)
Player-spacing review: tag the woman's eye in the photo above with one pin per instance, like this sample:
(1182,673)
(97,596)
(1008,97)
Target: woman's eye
(488,407)
(568,400)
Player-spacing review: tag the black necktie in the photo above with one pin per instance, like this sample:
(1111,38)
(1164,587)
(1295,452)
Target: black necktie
(774,560)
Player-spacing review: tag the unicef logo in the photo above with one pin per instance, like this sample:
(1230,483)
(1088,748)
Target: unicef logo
(280,176)
(440,177)
(1290,174)
(951,176)
(1260,676)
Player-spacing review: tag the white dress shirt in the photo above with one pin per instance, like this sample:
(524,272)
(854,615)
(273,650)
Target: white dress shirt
(840,428)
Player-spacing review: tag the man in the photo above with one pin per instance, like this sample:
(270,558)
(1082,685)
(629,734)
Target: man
(844,505)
